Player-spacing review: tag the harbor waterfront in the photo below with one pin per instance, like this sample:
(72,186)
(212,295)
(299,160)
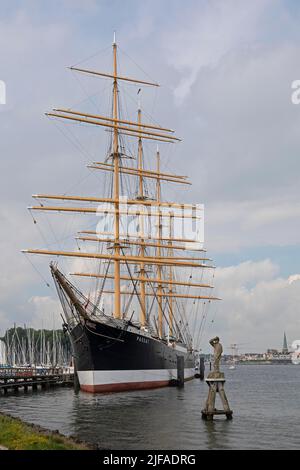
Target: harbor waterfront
(150,215)
(262,419)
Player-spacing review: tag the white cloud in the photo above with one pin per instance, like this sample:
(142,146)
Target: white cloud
(16,230)
(235,225)
(206,33)
(294,278)
(45,312)
(248,272)
(5,322)
(257,306)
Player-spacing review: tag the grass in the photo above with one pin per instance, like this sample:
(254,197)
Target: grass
(16,435)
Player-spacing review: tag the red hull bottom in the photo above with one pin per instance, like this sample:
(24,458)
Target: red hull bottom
(123,387)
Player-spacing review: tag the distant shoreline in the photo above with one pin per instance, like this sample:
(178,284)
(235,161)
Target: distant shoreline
(263,363)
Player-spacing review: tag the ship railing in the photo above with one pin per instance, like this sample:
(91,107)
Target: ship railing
(105,319)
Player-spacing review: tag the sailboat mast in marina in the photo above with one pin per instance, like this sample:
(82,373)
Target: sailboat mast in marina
(152,278)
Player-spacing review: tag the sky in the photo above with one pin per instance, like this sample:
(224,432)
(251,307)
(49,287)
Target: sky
(226,70)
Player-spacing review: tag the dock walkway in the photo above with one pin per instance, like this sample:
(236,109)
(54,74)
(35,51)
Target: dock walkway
(42,378)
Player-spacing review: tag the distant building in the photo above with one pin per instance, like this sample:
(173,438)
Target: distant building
(285,347)
(274,352)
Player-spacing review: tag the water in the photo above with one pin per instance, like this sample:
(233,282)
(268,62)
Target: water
(265,401)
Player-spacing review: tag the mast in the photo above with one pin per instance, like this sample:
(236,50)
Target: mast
(159,268)
(141,222)
(117,302)
(170,253)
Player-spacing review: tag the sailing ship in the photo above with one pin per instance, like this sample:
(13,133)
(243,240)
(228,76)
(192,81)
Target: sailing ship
(117,348)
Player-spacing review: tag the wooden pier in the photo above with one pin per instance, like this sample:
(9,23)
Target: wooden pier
(24,378)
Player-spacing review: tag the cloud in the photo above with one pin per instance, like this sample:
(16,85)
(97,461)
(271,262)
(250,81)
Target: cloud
(257,306)
(248,272)
(233,226)
(205,33)
(16,229)
(294,278)
(45,312)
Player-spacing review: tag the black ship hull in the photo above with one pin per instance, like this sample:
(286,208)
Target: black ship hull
(113,359)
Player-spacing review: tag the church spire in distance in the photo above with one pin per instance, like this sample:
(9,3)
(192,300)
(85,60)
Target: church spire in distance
(284,347)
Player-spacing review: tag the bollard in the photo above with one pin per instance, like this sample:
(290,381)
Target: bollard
(180,371)
(202,368)
(76,380)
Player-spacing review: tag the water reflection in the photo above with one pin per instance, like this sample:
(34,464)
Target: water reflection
(217,434)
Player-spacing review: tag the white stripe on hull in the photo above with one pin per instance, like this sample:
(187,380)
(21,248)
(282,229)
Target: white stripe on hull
(117,380)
